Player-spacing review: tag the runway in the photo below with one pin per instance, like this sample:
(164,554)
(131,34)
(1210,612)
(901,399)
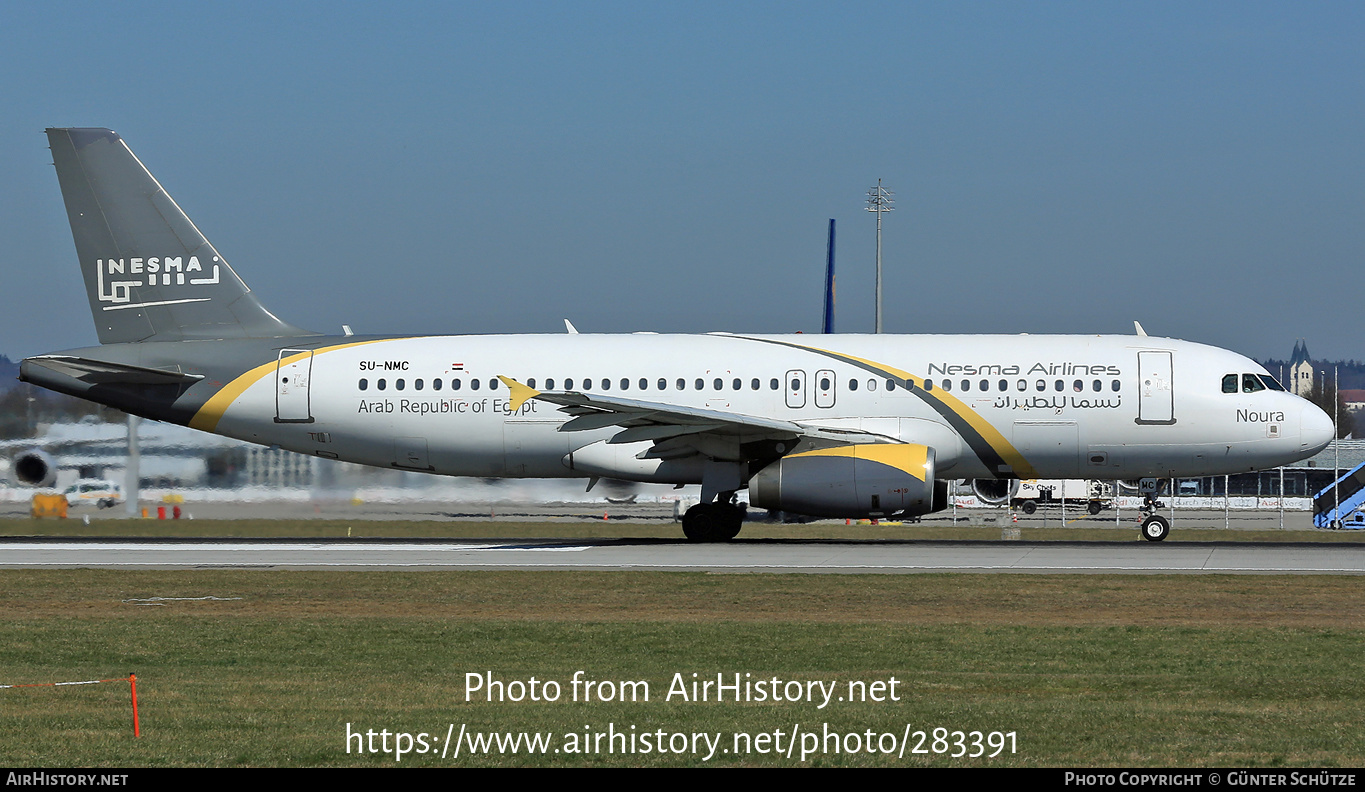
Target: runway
(773,556)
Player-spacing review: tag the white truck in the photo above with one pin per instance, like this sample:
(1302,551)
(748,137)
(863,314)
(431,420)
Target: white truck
(1089,494)
(101,492)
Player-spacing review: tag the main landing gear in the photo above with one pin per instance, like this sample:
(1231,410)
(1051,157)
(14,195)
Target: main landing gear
(714,522)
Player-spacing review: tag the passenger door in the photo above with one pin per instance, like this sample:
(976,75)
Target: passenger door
(1156,394)
(293,370)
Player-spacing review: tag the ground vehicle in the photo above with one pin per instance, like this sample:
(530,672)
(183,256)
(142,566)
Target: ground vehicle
(1089,494)
(1339,504)
(101,492)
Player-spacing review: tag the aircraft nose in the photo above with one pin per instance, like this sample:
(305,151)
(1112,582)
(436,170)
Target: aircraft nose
(1316,429)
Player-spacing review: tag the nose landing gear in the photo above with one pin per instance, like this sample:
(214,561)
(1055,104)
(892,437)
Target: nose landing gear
(1154,526)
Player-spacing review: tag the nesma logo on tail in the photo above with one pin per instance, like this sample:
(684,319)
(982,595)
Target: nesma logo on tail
(152,271)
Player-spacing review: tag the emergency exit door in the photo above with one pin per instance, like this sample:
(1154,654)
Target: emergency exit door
(796,389)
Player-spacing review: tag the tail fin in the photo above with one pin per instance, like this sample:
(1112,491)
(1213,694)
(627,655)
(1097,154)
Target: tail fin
(150,275)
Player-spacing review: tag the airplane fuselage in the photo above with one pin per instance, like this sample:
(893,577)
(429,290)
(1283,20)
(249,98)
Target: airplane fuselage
(1105,407)
(830,425)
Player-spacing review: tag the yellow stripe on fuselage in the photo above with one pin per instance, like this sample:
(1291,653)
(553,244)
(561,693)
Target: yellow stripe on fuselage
(1018,465)
(208,416)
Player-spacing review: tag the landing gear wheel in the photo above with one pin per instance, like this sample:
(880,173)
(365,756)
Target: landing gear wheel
(1028,507)
(1094,507)
(713,522)
(1155,528)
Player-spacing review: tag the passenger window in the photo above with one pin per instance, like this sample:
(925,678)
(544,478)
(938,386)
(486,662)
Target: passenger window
(718,384)
(736,384)
(773,384)
(473,384)
(1251,383)
(852,384)
(1114,386)
(890,384)
(398,384)
(1078,386)
(663,384)
(1042,386)
(871,384)
(1004,385)
(824,384)
(493,384)
(625,384)
(947,384)
(1097,386)
(753,384)
(606,384)
(1059,386)
(644,384)
(455,384)
(549,383)
(568,384)
(364,384)
(436,384)
(985,385)
(1229,383)
(699,384)
(1023,385)
(928,385)
(531,383)
(966,385)
(681,384)
(417,384)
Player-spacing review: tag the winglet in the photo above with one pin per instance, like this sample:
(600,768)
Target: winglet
(569,328)
(520,393)
(1138,327)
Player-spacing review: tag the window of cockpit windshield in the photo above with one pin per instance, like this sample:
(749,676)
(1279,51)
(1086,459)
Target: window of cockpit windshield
(1229,383)
(1252,383)
(1271,382)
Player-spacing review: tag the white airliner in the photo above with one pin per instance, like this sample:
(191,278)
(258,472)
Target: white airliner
(831,426)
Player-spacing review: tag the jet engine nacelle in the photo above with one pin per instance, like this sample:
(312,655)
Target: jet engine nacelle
(851,481)
(995,491)
(35,469)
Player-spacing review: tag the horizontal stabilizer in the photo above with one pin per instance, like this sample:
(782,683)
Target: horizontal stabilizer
(100,372)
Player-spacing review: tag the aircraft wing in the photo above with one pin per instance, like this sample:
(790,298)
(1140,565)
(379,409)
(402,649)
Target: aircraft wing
(670,426)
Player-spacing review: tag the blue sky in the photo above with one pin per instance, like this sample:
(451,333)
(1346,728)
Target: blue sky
(451,168)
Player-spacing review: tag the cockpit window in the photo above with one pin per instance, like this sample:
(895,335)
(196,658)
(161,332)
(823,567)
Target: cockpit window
(1252,383)
(1229,383)
(1271,382)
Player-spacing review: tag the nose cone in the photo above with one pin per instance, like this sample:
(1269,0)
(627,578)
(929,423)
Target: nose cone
(1316,430)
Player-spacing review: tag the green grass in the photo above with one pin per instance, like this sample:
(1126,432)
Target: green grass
(1086,670)
(1099,529)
